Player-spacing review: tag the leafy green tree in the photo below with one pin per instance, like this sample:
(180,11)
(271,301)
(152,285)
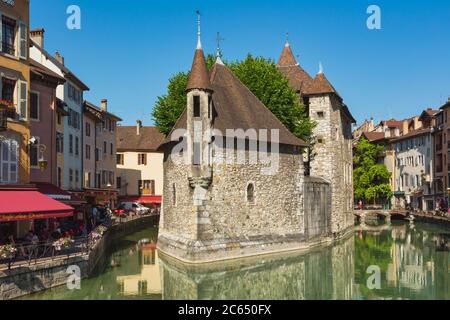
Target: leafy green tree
(261,76)
(170,106)
(371,179)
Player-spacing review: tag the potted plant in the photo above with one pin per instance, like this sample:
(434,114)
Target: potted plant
(5,108)
(63,243)
(8,252)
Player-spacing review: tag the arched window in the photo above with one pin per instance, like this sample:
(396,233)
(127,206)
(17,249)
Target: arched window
(251,193)
(174,194)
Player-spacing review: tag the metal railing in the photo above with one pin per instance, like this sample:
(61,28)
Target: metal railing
(28,254)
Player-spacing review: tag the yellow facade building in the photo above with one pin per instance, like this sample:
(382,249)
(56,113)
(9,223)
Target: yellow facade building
(14,88)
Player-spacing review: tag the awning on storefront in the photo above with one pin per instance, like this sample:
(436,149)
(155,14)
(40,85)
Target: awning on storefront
(56,193)
(143,199)
(18,205)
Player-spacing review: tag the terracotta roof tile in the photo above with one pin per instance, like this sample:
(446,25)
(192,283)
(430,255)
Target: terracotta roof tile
(287,57)
(199,78)
(298,78)
(149,138)
(321,85)
(393,123)
(236,107)
(374,136)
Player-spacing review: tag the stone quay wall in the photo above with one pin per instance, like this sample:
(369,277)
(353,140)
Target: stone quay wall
(26,280)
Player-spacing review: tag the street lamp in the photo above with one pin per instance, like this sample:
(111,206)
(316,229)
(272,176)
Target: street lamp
(42,162)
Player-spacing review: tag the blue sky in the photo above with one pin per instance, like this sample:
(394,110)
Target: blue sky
(127,50)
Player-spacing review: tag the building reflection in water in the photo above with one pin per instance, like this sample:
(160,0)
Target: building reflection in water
(148,280)
(327,273)
(413,259)
(415,264)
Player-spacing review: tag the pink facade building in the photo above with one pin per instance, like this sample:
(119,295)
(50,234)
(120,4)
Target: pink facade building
(43,123)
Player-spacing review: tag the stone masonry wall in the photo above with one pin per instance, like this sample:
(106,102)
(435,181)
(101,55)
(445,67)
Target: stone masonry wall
(332,157)
(226,219)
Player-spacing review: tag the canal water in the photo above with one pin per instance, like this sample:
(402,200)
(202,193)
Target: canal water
(411,261)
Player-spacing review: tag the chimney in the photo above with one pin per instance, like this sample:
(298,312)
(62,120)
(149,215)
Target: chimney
(59,57)
(37,35)
(138,127)
(104,104)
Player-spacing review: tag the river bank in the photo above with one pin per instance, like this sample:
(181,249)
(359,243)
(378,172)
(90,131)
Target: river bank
(413,264)
(50,273)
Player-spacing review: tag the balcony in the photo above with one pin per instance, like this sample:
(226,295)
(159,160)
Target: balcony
(6,112)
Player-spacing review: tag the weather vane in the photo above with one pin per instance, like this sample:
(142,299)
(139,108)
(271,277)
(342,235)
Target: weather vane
(219,39)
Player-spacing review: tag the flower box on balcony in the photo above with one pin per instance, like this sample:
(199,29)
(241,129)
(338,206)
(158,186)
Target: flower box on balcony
(6,108)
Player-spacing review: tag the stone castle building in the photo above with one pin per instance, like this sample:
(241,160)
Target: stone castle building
(219,203)
(331,156)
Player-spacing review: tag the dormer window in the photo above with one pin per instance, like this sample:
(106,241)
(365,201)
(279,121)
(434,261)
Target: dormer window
(196,106)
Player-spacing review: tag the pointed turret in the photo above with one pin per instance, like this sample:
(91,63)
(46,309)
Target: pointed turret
(287,58)
(298,78)
(199,77)
(321,83)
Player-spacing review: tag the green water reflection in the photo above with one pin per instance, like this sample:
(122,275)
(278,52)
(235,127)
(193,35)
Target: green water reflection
(413,259)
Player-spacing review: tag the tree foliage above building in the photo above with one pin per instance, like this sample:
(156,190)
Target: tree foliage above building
(371,179)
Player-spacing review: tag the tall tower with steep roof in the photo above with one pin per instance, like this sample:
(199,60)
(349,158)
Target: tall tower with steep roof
(199,117)
(330,157)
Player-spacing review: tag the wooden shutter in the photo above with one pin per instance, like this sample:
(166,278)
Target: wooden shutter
(22,99)
(23,33)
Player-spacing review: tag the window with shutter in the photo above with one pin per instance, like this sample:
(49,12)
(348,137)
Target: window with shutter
(23,48)
(9,155)
(23,99)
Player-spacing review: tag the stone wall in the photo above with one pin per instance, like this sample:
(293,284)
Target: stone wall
(332,157)
(225,221)
(29,279)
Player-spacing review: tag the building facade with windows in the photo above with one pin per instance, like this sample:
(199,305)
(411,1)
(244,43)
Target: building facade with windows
(91,117)
(14,90)
(71,93)
(23,205)
(139,164)
(441,148)
(43,114)
(59,141)
(414,170)
(99,139)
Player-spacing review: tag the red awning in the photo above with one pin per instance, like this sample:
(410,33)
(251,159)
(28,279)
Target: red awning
(143,199)
(17,205)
